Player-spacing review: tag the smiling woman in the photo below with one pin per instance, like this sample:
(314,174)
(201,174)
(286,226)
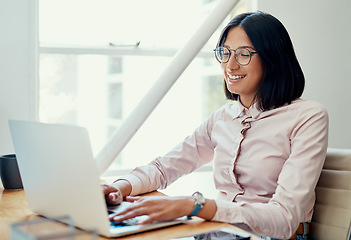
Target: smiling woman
(267,149)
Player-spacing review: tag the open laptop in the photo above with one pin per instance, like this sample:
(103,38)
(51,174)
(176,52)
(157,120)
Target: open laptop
(60,177)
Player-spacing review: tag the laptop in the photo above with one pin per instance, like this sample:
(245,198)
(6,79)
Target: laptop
(60,178)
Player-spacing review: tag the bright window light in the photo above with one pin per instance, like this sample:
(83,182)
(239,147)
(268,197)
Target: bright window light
(92,73)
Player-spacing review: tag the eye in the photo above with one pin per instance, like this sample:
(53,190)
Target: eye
(222,52)
(242,52)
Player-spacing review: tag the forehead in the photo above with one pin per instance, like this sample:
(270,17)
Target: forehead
(237,37)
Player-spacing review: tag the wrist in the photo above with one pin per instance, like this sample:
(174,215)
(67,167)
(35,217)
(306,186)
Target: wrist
(199,202)
(123,186)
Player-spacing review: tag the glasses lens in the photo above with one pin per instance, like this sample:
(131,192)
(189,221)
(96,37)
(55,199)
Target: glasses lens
(222,54)
(243,56)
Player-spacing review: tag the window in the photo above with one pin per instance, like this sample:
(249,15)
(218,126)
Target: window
(99,58)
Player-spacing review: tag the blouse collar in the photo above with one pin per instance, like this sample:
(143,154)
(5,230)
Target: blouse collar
(253,111)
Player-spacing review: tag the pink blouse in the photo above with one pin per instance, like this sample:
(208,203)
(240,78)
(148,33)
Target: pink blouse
(266,164)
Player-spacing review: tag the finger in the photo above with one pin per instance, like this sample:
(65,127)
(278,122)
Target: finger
(119,218)
(152,217)
(146,220)
(134,209)
(141,206)
(127,215)
(133,198)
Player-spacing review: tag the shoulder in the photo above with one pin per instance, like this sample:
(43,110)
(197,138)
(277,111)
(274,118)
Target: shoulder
(220,116)
(227,111)
(307,107)
(307,113)
(297,112)
(297,107)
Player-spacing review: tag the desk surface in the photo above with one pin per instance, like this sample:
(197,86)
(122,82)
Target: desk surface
(14,208)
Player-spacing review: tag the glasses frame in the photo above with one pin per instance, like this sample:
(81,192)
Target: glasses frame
(235,55)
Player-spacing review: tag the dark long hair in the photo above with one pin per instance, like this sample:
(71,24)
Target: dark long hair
(283,79)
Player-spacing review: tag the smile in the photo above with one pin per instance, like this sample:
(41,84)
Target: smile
(235,77)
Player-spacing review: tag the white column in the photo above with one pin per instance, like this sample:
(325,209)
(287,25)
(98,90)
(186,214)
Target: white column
(18,65)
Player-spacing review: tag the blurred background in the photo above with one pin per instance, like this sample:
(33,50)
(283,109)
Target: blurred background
(89,63)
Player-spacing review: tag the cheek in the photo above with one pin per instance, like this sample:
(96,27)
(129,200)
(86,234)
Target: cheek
(258,76)
(257,72)
(259,69)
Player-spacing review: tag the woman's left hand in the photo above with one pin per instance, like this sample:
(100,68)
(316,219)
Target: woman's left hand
(156,208)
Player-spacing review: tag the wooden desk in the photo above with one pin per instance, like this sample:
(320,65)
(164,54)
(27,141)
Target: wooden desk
(14,208)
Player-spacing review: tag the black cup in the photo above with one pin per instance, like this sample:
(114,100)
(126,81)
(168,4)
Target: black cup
(10,176)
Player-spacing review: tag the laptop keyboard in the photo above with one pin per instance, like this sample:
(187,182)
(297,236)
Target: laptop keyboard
(128,222)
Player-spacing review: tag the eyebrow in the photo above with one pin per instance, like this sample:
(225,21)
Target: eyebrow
(239,47)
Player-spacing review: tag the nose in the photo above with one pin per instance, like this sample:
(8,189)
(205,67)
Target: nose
(232,64)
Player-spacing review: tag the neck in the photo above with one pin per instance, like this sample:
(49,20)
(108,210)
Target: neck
(247,102)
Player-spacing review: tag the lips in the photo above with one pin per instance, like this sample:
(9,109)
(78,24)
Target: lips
(235,78)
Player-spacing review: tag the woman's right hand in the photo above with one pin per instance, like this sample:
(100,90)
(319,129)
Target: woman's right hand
(112,194)
(115,192)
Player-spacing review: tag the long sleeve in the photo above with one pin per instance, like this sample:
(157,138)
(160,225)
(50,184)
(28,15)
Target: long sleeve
(195,151)
(293,199)
(266,164)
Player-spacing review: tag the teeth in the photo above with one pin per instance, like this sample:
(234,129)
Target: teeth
(235,77)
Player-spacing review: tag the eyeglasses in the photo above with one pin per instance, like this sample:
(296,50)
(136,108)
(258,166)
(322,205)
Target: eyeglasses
(242,55)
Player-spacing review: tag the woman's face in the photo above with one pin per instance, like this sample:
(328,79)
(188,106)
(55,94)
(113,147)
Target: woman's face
(242,80)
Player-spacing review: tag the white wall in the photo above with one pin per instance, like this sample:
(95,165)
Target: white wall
(17,65)
(321,34)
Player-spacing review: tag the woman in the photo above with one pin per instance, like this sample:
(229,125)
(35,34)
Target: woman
(268,146)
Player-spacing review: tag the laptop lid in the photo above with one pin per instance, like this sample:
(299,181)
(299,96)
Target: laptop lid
(60,177)
(59,174)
